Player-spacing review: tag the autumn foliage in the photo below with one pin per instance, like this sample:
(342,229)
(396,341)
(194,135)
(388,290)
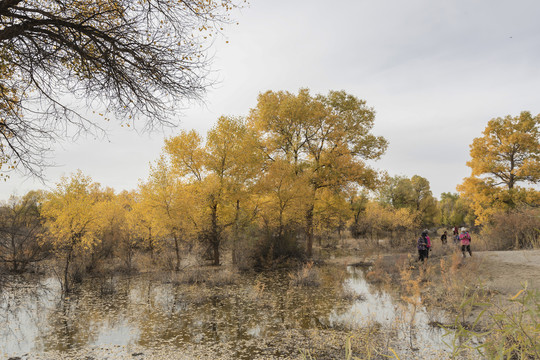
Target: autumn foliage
(289,178)
(505,162)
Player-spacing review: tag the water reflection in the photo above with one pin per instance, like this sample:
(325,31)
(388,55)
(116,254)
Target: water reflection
(379,307)
(23,311)
(150,312)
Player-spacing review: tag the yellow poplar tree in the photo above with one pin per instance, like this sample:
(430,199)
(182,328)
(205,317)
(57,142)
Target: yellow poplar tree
(71,218)
(281,198)
(232,161)
(118,228)
(327,139)
(220,170)
(167,199)
(506,155)
(332,212)
(141,220)
(129,226)
(379,219)
(110,217)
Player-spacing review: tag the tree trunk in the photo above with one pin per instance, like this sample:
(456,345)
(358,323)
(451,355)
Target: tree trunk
(309,232)
(66,271)
(15,264)
(280,228)
(214,235)
(177,250)
(215,246)
(236,232)
(129,254)
(151,244)
(340,230)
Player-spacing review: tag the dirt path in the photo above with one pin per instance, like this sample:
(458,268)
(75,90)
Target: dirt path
(505,271)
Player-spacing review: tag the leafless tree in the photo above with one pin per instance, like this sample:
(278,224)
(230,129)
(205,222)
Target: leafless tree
(20,228)
(134,59)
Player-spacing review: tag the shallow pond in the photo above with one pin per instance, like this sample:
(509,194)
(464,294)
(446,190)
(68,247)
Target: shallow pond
(246,319)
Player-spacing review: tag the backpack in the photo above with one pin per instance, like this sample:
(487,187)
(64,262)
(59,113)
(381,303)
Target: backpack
(422,243)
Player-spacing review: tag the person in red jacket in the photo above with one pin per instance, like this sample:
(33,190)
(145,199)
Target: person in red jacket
(428,243)
(465,239)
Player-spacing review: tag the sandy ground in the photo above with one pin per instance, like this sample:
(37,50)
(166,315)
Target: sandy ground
(506,271)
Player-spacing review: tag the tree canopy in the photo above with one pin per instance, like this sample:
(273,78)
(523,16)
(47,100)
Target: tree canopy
(507,155)
(219,171)
(508,152)
(414,194)
(325,139)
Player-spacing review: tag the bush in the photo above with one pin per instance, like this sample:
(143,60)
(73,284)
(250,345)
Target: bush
(273,250)
(21,233)
(517,229)
(306,276)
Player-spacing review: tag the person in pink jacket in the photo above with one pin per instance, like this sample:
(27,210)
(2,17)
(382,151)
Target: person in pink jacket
(465,241)
(428,243)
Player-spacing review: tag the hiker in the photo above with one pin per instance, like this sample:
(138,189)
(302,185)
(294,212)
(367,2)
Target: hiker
(465,241)
(444,237)
(423,249)
(456,231)
(428,243)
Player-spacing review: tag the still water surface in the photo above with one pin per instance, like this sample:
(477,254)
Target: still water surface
(148,311)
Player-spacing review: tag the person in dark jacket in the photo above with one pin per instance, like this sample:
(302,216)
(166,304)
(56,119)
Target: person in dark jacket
(444,237)
(423,246)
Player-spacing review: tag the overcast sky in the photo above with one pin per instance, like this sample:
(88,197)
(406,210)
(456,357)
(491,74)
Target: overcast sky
(434,71)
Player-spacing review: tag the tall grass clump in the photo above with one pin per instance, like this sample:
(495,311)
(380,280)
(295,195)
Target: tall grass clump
(306,276)
(509,332)
(369,343)
(459,288)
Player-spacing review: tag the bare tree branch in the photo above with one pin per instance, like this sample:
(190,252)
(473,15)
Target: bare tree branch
(141,60)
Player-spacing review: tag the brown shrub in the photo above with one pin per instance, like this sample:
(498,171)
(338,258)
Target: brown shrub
(212,277)
(306,276)
(516,229)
